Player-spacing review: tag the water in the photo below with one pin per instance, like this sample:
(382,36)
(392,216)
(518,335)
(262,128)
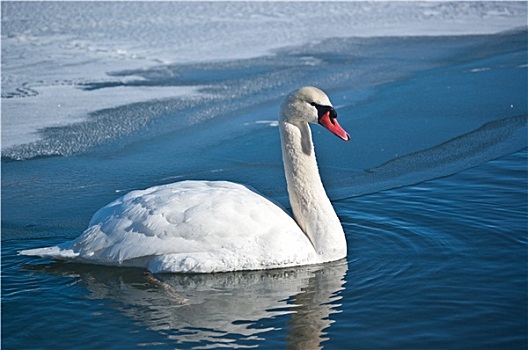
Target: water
(431,191)
(440,264)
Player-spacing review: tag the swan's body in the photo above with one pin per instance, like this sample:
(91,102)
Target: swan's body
(200,226)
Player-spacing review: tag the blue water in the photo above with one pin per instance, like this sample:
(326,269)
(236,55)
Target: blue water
(431,191)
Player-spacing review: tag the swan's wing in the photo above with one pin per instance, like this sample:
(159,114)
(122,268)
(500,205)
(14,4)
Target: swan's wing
(190,225)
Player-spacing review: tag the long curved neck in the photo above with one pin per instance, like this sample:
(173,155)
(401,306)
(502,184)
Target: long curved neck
(310,205)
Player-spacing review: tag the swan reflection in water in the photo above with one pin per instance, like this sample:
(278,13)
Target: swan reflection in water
(232,309)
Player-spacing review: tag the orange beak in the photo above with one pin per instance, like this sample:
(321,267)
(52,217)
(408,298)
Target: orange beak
(333,126)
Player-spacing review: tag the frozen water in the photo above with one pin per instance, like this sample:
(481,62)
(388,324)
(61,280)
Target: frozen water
(51,50)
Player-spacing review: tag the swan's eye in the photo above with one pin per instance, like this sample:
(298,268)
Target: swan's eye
(321,110)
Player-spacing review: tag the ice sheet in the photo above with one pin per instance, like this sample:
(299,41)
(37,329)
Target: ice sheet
(51,50)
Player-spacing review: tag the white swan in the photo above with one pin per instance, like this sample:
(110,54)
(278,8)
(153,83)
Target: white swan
(200,226)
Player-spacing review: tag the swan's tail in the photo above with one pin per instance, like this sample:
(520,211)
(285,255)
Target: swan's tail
(54,252)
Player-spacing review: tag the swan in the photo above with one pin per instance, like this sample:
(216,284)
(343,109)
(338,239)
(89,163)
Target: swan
(220,226)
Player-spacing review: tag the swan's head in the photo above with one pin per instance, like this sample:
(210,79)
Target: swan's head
(311,105)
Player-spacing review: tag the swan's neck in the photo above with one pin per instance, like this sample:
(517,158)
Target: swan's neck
(310,205)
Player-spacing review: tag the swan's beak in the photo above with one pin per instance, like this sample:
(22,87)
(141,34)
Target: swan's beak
(333,126)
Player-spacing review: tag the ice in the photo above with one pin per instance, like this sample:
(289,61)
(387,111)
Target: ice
(59,105)
(51,50)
